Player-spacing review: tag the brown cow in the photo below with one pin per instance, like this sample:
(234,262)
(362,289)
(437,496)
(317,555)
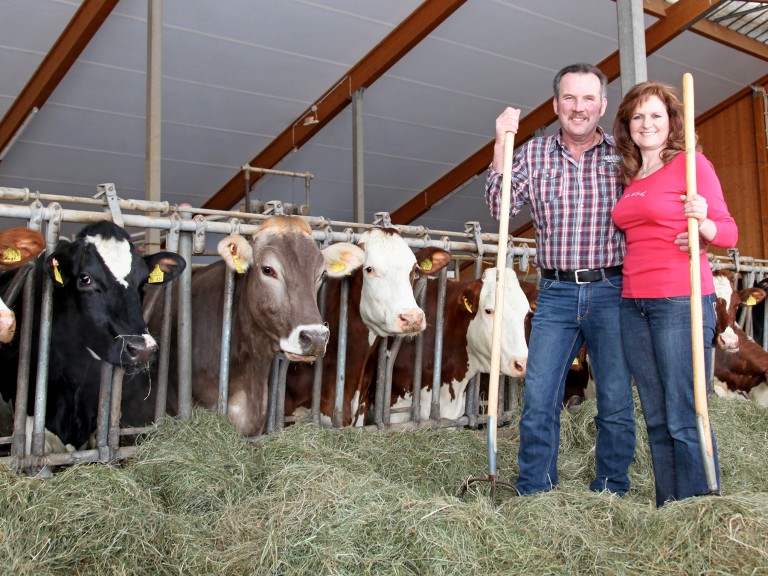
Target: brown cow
(17,245)
(381,303)
(275,309)
(741,371)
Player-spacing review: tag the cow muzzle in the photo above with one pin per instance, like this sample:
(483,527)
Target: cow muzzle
(137,349)
(7,326)
(728,341)
(410,321)
(518,367)
(306,344)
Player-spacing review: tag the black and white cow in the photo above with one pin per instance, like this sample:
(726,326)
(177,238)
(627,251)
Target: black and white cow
(98,282)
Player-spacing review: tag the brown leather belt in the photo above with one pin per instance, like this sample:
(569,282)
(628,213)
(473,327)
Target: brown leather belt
(581,276)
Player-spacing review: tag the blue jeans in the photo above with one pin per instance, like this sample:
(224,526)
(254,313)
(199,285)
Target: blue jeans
(567,315)
(657,342)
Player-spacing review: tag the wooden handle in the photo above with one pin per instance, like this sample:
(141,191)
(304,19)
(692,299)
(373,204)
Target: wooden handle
(697,330)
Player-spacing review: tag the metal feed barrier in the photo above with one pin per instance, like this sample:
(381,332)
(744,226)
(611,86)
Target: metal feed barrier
(188,231)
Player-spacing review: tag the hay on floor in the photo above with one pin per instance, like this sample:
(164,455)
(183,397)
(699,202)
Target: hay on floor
(199,499)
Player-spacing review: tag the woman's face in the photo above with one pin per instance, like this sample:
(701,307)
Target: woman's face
(649,124)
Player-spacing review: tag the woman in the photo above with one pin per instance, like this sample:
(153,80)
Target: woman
(655,304)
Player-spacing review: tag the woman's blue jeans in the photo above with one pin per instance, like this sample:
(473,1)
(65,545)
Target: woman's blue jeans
(657,342)
(567,315)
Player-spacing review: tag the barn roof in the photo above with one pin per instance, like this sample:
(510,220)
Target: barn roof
(269,83)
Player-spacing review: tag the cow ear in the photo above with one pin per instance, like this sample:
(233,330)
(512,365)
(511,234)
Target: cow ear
(431,260)
(342,259)
(19,245)
(58,264)
(164,267)
(469,299)
(236,251)
(752,296)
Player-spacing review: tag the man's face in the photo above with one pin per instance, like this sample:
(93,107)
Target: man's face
(580,104)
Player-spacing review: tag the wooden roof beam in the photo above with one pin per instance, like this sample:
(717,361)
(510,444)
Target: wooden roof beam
(73,40)
(679,17)
(417,26)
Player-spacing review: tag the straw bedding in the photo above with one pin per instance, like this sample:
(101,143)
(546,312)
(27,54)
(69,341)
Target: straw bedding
(199,499)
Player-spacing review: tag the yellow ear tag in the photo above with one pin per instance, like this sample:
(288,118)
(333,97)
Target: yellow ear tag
(467,305)
(56,272)
(339,266)
(11,254)
(751,300)
(235,259)
(156,276)
(426,264)
(575,362)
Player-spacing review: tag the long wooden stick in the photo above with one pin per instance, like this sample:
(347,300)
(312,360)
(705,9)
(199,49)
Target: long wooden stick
(697,331)
(501,277)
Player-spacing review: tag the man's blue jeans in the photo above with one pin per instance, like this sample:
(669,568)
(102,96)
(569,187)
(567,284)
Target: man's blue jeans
(567,315)
(657,342)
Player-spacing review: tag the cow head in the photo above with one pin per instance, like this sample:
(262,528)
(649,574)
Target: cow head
(283,270)
(98,284)
(727,305)
(17,246)
(514,350)
(387,304)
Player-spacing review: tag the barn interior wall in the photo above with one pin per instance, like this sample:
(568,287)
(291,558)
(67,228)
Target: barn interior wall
(733,138)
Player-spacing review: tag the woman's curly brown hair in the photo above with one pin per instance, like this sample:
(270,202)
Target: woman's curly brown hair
(629,151)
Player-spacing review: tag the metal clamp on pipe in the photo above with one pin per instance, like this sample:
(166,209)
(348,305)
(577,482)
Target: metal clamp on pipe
(113,202)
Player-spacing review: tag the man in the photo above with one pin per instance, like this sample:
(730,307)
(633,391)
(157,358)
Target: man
(571,182)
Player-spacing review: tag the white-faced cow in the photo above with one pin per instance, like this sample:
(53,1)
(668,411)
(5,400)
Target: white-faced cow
(280,270)
(741,370)
(381,304)
(467,342)
(17,246)
(98,282)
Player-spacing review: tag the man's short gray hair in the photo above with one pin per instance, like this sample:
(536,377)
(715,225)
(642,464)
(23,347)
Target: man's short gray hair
(581,68)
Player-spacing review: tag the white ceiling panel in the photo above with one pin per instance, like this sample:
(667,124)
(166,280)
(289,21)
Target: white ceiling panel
(237,73)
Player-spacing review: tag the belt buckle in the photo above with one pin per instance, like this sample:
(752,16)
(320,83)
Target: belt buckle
(576,275)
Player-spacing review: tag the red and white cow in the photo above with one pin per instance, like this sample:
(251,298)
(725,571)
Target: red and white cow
(741,370)
(17,245)
(381,304)
(467,342)
(280,270)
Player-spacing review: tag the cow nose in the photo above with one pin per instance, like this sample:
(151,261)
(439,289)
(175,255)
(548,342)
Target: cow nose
(728,340)
(7,326)
(313,341)
(519,367)
(411,320)
(138,349)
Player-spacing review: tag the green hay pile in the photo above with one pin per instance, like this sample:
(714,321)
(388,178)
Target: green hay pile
(198,499)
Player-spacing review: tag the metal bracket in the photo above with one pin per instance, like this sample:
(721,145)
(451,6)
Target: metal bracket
(734,253)
(113,202)
(274,208)
(198,239)
(382,219)
(525,257)
(473,227)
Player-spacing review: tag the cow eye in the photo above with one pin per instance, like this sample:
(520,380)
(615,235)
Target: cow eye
(268,271)
(84,279)
(488,311)
(369,269)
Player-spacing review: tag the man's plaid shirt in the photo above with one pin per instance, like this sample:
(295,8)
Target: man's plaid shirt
(571,202)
